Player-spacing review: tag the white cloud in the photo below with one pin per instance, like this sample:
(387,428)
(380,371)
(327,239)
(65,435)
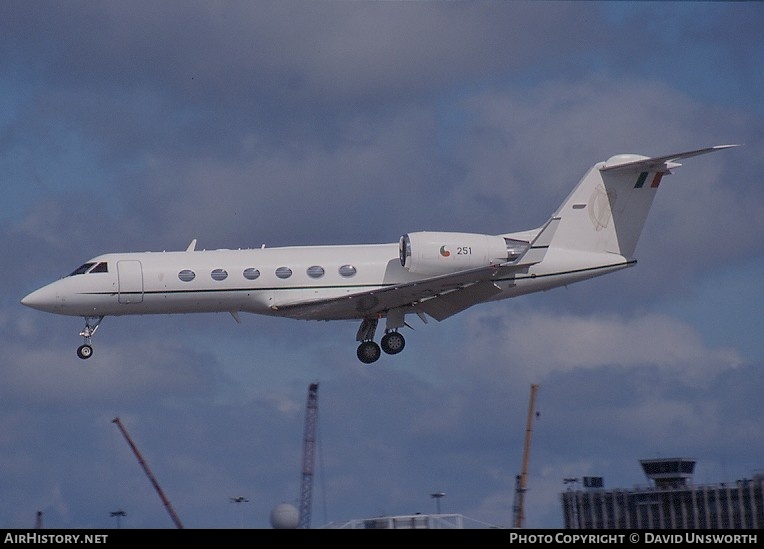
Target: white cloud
(542,342)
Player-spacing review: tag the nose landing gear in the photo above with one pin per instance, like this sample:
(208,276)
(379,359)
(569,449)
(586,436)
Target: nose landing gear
(85,350)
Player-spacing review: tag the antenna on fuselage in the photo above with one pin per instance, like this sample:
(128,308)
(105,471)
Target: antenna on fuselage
(192,246)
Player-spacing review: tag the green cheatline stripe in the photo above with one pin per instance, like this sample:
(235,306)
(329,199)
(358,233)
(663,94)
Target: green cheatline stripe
(641,180)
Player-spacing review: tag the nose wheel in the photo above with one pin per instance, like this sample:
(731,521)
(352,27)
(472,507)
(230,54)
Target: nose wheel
(85,350)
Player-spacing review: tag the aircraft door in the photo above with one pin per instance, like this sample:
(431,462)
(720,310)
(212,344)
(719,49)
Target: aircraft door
(130,280)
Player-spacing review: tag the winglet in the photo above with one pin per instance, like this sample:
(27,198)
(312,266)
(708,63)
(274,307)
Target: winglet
(192,246)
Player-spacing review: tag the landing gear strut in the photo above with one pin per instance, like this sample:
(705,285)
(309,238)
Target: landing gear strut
(368,351)
(85,350)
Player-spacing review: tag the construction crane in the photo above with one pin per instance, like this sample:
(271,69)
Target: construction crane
(308,456)
(522,478)
(146,469)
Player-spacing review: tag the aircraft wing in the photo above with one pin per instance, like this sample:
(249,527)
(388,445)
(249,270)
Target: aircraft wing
(439,296)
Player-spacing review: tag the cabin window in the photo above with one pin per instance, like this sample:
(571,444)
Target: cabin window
(283,272)
(219,274)
(251,273)
(82,269)
(102,267)
(186,275)
(316,271)
(347,270)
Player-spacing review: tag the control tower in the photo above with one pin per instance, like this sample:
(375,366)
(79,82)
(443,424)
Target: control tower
(667,473)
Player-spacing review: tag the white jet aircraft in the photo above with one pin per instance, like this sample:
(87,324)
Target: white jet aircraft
(435,274)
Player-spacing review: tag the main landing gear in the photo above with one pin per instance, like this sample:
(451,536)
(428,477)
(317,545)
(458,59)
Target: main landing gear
(85,350)
(368,351)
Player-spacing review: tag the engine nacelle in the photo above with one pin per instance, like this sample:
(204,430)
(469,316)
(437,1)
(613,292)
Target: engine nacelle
(436,253)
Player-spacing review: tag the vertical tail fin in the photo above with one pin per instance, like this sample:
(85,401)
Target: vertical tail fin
(606,211)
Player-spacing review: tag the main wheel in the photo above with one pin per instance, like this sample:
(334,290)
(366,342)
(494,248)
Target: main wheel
(393,343)
(84,351)
(368,352)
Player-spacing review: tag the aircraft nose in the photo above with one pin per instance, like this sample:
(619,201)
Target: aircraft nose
(44,299)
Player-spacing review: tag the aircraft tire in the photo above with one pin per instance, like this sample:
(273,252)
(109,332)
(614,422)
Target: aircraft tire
(393,343)
(368,352)
(84,351)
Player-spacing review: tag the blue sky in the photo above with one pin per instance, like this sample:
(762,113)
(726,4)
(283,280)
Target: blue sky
(140,126)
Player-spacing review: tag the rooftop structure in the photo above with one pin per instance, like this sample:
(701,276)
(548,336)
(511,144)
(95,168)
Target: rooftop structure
(668,472)
(417,521)
(672,501)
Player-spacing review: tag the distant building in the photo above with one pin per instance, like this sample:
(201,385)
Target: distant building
(671,502)
(411,522)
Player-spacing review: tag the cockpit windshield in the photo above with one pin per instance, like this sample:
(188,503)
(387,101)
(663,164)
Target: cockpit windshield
(82,269)
(91,267)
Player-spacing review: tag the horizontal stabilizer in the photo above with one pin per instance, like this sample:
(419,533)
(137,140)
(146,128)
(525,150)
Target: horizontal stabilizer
(660,163)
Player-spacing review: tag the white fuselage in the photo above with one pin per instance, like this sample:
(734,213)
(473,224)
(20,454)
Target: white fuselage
(262,280)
